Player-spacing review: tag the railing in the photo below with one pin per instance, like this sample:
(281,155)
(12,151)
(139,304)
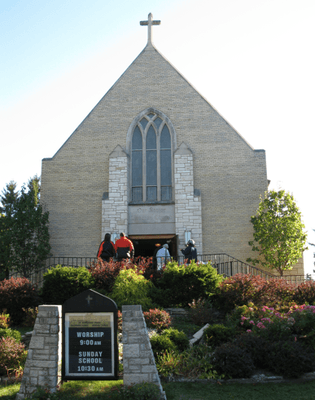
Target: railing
(222,262)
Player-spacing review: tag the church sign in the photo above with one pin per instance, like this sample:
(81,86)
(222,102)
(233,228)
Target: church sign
(89,346)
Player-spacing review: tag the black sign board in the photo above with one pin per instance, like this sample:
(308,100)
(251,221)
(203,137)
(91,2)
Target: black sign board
(89,337)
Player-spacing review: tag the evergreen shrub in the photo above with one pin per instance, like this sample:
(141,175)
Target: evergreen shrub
(179,338)
(256,346)
(231,361)
(130,288)
(217,334)
(62,283)
(4,320)
(17,294)
(13,333)
(290,359)
(179,285)
(161,343)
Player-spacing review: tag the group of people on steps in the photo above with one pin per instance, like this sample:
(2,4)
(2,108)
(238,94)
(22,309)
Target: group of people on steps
(123,249)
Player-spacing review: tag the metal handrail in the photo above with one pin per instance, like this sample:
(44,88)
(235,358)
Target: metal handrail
(224,264)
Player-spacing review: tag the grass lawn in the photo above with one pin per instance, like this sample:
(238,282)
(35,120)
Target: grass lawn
(186,391)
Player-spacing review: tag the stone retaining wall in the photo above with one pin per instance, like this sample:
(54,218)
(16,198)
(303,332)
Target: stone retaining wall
(43,363)
(139,362)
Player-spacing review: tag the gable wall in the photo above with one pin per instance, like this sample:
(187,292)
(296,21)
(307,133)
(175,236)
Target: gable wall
(229,173)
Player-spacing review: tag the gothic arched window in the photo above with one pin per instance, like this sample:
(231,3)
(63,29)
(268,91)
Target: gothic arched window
(151,152)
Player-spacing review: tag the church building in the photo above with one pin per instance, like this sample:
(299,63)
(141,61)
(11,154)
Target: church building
(155,160)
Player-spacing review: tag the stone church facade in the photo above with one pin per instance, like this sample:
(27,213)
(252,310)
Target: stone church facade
(153,159)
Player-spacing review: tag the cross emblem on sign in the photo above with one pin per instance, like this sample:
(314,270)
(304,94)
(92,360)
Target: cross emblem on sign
(88,299)
(150,22)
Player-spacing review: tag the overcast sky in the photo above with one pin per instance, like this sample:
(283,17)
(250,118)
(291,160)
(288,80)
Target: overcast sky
(253,60)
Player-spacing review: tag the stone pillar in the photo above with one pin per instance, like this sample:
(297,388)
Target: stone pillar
(115,207)
(139,362)
(188,215)
(43,363)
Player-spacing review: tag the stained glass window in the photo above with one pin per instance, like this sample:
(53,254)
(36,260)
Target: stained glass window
(152,156)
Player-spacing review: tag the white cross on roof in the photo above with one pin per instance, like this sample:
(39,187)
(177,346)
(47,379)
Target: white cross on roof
(150,22)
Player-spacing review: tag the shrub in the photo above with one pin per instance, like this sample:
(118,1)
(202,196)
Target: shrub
(12,355)
(290,359)
(62,283)
(256,346)
(17,294)
(131,288)
(30,316)
(140,391)
(305,293)
(180,339)
(217,334)
(232,361)
(161,344)
(181,284)
(104,274)
(157,319)
(241,289)
(201,312)
(238,290)
(4,321)
(10,333)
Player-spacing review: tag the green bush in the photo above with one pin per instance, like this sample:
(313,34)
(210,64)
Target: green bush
(181,284)
(169,340)
(256,346)
(131,287)
(12,355)
(4,320)
(232,361)
(217,334)
(179,338)
(161,344)
(16,295)
(62,283)
(290,359)
(10,333)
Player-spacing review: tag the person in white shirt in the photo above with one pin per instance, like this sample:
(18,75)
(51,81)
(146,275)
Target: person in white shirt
(162,256)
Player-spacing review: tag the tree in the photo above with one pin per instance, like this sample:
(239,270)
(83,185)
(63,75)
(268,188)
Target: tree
(8,200)
(26,227)
(279,238)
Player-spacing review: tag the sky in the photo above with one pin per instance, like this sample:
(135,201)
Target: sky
(253,60)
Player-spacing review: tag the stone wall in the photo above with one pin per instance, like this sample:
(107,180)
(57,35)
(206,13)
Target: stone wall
(43,363)
(187,205)
(115,206)
(139,362)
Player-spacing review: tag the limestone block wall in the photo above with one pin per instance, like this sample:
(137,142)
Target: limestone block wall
(43,363)
(139,363)
(187,206)
(115,207)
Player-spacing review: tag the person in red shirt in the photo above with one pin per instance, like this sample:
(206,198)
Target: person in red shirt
(124,248)
(106,249)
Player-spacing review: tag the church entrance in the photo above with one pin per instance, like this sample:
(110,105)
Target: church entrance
(145,245)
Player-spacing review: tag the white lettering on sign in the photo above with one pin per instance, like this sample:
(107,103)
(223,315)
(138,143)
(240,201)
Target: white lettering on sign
(90,334)
(90,361)
(90,353)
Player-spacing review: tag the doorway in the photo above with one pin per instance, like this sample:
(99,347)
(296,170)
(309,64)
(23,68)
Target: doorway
(145,245)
